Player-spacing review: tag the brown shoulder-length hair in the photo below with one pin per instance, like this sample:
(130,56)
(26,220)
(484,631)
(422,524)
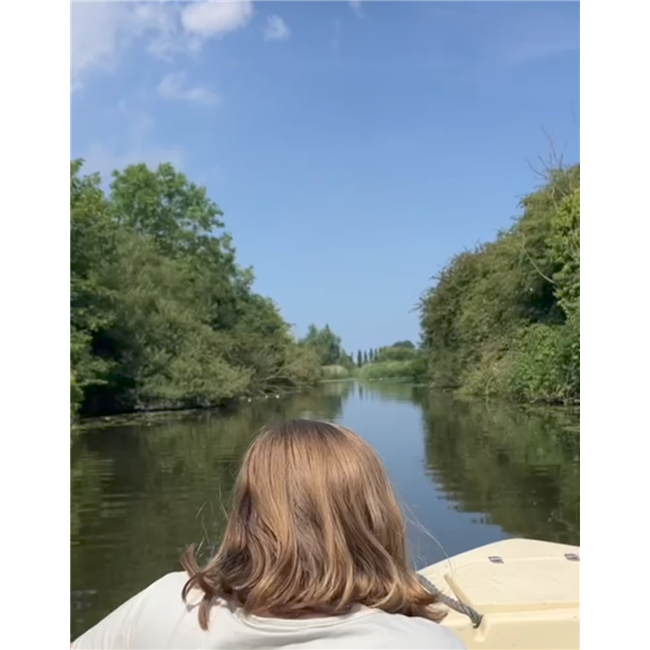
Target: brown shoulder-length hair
(315,529)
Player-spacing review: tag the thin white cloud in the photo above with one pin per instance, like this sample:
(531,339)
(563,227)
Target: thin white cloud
(355,5)
(101,31)
(96,33)
(137,146)
(527,32)
(161,23)
(533,39)
(175,85)
(104,160)
(276,29)
(335,41)
(521,53)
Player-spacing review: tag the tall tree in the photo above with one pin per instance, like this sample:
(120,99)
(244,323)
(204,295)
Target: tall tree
(326,344)
(161,313)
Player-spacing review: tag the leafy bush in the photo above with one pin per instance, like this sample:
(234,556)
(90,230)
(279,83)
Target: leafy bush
(504,318)
(387,370)
(335,372)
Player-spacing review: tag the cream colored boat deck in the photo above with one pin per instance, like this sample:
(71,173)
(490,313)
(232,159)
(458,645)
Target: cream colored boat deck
(527,591)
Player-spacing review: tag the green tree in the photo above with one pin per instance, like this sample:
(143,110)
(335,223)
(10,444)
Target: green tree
(162,316)
(92,247)
(326,344)
(564,250)
(502,318)
(403,344)
(393,353)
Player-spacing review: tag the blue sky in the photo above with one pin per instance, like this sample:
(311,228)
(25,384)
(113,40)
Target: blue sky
(353,147)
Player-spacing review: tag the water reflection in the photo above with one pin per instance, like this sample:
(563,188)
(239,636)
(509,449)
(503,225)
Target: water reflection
(520,469)
(467,473)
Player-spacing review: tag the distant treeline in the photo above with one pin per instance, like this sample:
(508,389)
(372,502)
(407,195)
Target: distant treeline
(504,318)
(401,350)
(162,316)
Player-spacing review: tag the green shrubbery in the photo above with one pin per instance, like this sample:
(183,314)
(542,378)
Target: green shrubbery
(504,319)
(335,372)
(386,370)
(401,360)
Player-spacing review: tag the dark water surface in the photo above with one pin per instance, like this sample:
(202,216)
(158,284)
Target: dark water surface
(469,473)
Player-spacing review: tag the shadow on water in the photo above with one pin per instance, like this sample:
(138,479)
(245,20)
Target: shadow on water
(467,473)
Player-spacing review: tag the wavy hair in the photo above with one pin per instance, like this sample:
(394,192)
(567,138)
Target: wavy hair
(314,529)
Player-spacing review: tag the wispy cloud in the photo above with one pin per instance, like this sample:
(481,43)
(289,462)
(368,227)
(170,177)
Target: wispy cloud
(159,23)
(103,159)
(176,86)
(276,29)
(101,31)
(137,147)
(335,41)
(355,5)
(510,34)
(533,42)
(97,30)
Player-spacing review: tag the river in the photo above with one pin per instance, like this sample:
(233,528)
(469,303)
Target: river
(467,473)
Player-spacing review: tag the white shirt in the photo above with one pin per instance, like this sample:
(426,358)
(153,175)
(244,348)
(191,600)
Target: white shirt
(158,619)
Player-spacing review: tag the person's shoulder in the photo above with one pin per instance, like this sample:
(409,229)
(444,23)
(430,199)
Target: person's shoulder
(441,637)
(421,632)
(160,600)
(173,580)
(169,590)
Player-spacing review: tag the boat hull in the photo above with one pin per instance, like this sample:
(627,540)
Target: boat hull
(527,591)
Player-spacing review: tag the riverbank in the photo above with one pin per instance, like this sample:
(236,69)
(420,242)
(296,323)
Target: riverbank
(154,416)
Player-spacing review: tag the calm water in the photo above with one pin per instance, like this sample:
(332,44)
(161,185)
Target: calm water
(468,473)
